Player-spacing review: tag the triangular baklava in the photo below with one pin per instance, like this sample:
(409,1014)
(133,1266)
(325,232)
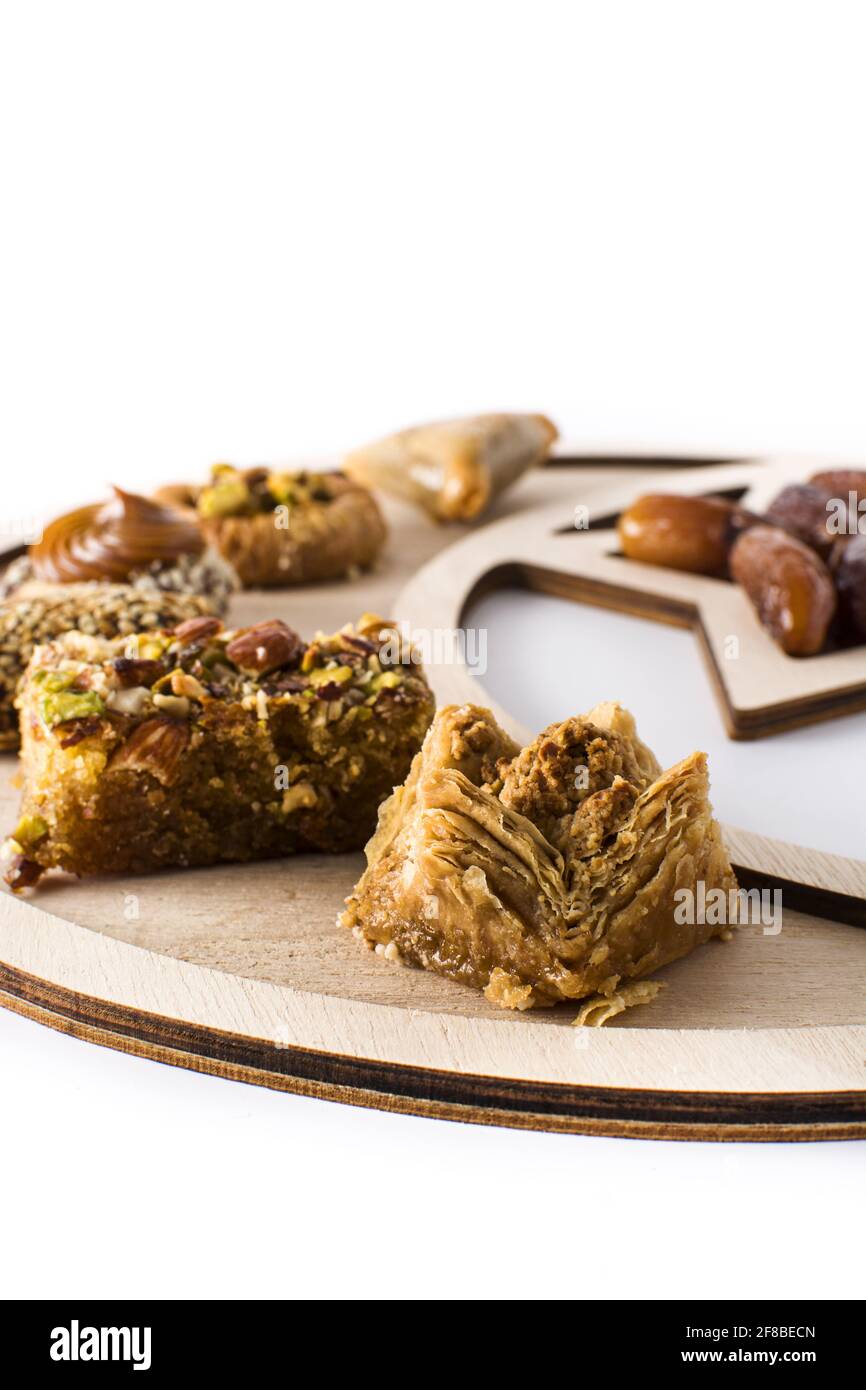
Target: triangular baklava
(546,873)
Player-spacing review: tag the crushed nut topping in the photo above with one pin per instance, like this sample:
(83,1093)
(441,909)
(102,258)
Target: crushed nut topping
(180,671)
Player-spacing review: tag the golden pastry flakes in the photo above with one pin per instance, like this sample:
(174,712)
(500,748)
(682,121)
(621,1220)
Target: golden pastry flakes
(545,873)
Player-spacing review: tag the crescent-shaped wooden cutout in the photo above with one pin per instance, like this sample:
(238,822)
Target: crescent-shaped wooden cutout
(760,689)
(240,971)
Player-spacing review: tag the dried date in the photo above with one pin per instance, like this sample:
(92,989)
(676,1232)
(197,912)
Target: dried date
(682,533)
(789,586)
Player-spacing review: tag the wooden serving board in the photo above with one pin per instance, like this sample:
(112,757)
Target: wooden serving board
(241,970)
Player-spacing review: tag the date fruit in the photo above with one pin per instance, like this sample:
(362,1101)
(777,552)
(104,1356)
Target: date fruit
(789,585)
(839,482)
(801,509)
(849,571)
(683,533)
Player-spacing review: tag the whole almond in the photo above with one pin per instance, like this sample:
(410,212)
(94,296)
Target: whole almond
(156,746)
(196,629)
(265,647)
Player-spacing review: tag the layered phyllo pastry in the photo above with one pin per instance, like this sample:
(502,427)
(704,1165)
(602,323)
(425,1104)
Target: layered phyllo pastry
(544,873)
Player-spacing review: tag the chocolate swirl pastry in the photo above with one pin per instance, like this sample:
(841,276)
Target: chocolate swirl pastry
(113,541)
(280,528)
(129,540)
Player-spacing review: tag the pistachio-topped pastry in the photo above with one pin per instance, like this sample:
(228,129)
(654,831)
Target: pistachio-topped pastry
(455,468)
(196,745)
(39,613)
(280,527)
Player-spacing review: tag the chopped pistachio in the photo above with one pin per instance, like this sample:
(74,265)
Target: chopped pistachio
(145,646)
(61,705)
(212,657)
(323,675)
(386,681)
(54,680)
(283,488)
(228,497)
(29,831)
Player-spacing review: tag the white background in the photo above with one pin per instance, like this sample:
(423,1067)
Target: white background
(268,231)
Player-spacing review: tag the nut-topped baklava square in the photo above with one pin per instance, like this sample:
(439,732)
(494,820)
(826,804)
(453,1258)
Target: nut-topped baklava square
(197,745)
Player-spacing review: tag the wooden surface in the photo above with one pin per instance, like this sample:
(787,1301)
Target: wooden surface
(243,970)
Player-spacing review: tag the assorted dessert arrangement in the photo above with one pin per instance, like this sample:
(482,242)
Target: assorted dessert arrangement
(153,735)
(802,563)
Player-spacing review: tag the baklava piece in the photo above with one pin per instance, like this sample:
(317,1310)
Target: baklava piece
(455,468)
(540,874)
(281,528)
(196,745)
